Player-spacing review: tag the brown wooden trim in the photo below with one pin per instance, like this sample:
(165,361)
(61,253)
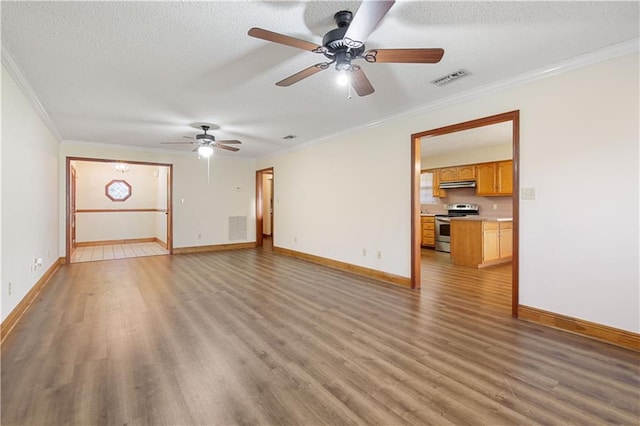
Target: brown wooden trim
(118,210)
(416,230)
(515,208)
(514,117)
(169,211)
(604,333)
(162,243)
(259,201)
(343,266)
(12,319)
(215,247)
(123,241)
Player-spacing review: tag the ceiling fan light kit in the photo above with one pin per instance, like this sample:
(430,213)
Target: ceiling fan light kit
(345,44)
(205,151)
(207,142)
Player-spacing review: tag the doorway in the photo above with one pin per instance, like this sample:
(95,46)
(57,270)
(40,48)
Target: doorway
(416,162)
(117,209)
(264,207)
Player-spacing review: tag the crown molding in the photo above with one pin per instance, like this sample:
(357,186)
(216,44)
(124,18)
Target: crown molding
(12,67)
(610,52)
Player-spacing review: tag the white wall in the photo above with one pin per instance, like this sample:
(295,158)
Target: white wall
(90,195)
(29,195)
(579,136)
(203,217)
(468,156)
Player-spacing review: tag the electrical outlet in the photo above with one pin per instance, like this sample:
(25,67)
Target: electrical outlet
(10,288)
(364,252)
(379,254)
(295,239)
(495,207)
(199,236)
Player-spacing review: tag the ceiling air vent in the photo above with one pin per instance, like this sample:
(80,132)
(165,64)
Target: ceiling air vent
(289,137)
(450,78)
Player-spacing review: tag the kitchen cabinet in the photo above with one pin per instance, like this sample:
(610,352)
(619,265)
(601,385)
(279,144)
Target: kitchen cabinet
(437,192)
(428,231)
(457,173)
(479,243)
(495,178)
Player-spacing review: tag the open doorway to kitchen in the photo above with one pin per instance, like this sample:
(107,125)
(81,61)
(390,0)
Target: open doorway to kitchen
(509,169)
(117,209)
(264,208)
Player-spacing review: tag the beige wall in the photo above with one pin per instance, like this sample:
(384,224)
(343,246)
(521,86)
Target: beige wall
(578,150)
(30,204)
(148,192)
(201,206)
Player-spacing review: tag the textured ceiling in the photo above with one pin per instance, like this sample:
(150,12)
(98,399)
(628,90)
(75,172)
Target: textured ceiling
(138,73)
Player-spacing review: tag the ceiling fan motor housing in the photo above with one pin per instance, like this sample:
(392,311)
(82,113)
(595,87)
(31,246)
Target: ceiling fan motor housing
(333,41)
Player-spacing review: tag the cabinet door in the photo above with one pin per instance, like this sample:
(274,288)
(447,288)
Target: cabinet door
(490,245)
(504,177)
(485,179)
(437,192)
(467,172)
(448,174)
(506,239)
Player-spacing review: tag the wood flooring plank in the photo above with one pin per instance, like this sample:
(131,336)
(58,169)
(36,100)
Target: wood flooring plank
(253,337)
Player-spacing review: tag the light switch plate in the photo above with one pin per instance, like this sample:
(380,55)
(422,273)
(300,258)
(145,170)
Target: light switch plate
(528,193)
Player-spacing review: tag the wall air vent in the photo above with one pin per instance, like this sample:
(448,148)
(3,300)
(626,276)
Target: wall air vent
(450,78)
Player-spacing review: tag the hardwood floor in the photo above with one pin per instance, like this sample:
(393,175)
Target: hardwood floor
(254,337)
(116,251)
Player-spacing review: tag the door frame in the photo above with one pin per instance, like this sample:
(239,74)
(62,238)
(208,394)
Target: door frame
(260,175)
(169,211)
(514,118)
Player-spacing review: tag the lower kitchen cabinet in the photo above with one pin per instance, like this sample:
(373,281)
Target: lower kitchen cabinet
(480,243)
(428,231)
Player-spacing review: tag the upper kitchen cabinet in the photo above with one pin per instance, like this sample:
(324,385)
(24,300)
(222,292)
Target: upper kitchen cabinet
(495,178)
(457,173)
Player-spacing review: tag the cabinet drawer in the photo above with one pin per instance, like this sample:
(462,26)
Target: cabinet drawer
(428,226)
(506,225)
(428,234)
(490,226)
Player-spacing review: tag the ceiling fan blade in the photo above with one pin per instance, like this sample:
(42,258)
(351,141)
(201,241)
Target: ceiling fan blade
(360,82)
(229,142)
(228,148)
(405,56)
(177,143)
(307,72)
(283,39)
(365,21)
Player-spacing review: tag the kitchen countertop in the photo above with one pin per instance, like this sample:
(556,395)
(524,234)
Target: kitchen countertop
(427,214)
(484,218)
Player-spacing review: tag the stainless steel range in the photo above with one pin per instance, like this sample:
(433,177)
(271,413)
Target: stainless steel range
(443,225)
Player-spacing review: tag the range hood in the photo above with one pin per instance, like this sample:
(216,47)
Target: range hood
(459,184)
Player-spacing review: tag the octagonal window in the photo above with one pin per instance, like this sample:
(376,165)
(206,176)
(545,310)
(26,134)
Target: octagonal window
(117,190)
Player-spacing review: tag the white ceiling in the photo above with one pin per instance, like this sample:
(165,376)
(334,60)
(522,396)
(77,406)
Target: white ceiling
(138,73)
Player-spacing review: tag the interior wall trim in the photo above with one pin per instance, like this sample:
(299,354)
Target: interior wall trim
(12,319)
(604,333)
(119,210)
(214,247)
(348,267)
(10,63)
(123,241)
